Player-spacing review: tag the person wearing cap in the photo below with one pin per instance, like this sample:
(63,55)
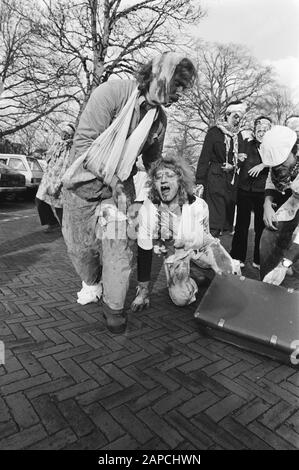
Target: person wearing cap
(281,216)
(250,196)
(217,168)
(123,119)
(49,196)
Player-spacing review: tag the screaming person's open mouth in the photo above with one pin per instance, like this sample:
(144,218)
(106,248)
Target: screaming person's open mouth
(165,188)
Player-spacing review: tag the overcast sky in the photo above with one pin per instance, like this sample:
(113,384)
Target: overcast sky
(269,28)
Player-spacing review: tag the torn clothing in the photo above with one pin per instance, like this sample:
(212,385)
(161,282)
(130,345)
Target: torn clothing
(97,257)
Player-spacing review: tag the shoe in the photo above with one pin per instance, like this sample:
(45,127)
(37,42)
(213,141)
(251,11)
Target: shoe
(116,320)
(52,228)
(89,294)
(255,265)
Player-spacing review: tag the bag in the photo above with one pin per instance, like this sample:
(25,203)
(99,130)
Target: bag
(252,315)
(77,175)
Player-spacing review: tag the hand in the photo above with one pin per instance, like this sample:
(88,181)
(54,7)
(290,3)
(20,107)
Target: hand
(227,167)
(122,201)
(242,157)
(270,219)
(255,170)
(179,244)
(276,276)
(141,300)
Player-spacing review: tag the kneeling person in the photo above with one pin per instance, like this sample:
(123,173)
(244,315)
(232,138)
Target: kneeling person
(174,222)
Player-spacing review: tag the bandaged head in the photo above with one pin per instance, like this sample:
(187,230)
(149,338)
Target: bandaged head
(234,113)
(170,71)
(238,107)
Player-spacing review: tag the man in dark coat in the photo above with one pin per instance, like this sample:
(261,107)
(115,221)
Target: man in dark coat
(217,167)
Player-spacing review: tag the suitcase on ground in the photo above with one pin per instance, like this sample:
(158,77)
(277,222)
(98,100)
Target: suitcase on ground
(252,315)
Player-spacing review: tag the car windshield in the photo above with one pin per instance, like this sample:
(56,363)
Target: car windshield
(3,165)
(16,164)
(34,164)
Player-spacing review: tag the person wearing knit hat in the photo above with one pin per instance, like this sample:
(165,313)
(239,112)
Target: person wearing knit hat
(217,168)
(279,152)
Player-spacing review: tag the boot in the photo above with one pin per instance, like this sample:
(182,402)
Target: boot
(116,320)
(141,300)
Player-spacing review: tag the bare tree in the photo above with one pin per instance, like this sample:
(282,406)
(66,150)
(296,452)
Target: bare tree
(278,104)
(58,53)
(33,87)
(225,73)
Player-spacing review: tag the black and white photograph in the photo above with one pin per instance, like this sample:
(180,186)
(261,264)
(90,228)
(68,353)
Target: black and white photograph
(149,237)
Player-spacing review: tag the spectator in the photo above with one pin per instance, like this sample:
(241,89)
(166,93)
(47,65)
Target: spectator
(101,176)
(48,197)
(217,167)
(250,196)
(279,151)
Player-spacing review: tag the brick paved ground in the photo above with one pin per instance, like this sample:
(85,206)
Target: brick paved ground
(69,384)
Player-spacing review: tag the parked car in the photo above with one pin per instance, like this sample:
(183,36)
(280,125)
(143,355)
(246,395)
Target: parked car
(11,182)
(28,166)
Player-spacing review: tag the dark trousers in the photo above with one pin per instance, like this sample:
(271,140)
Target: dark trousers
(246,202)
(46,214)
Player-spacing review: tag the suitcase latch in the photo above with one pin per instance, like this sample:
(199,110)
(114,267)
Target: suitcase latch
(273,339)
(221,322)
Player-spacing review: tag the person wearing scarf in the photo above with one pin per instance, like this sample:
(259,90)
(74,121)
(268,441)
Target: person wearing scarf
(174,222)
(123,119)
(217,168)
(279,246)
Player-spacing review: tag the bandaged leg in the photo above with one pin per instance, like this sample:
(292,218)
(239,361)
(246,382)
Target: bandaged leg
(79,231)
(116,256)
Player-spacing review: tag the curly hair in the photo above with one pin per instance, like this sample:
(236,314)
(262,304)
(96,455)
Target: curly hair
(185,178)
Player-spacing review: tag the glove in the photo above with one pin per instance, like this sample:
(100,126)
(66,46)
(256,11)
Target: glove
(276,276)
(141,300)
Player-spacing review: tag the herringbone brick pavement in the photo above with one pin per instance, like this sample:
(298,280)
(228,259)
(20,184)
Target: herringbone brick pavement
(67,383)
